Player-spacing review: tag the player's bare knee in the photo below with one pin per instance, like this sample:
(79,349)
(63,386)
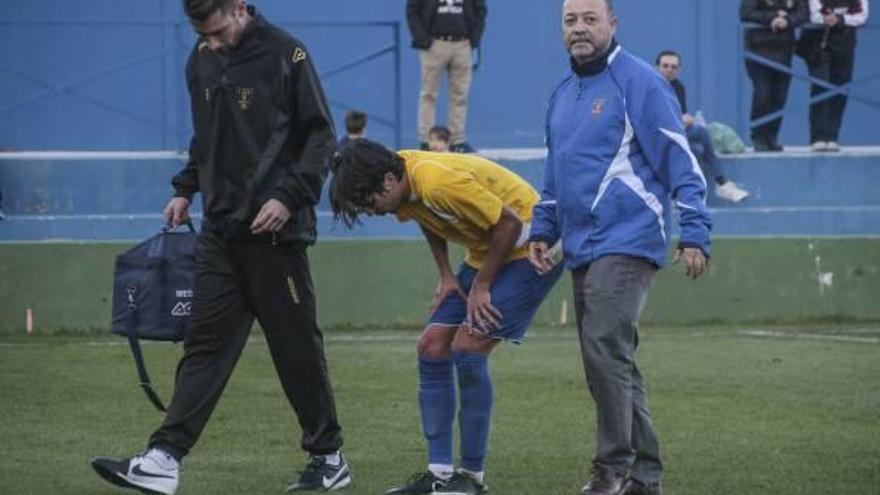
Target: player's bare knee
(434,343)
(475,343)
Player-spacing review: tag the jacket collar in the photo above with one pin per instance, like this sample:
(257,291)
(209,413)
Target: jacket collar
(595,66)
(256,25)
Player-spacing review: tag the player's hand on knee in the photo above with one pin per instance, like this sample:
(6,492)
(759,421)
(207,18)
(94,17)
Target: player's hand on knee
(446,287)
(177,211)
(480,311)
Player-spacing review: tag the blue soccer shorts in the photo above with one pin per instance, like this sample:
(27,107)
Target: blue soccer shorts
(516,292)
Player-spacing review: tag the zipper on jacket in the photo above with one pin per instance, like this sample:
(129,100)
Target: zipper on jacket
(580,90)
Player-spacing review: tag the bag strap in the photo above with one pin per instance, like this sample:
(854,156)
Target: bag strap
(143,376)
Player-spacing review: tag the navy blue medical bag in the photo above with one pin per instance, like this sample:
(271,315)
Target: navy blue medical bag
(153,293)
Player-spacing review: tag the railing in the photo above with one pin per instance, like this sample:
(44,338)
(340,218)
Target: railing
(173,121)
(833,90)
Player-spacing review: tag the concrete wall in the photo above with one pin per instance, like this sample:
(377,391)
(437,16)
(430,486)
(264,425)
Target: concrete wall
(108,74)
(390,283)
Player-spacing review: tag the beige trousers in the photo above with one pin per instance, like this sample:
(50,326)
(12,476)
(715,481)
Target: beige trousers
(455,58)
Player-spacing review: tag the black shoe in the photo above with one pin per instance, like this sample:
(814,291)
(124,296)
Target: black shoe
(606,482)
(462,148)
(776,147)
(461,484)
(419,483)
(320,476)
(760,145)
(637,488)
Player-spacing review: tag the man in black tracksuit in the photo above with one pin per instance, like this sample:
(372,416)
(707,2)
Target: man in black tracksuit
(769,32)
(263,140)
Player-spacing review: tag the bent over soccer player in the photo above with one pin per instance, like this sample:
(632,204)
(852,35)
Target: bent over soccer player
(471,201)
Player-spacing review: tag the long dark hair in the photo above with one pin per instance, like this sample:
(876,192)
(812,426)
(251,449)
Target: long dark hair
(358,173)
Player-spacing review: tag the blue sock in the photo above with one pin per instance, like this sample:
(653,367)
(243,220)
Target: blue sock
(475,418)
(437,402)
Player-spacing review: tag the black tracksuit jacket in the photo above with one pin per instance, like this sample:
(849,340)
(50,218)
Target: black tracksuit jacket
(261,130)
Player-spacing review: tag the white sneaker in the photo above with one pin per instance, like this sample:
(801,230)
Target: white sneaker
(832,146)
(730,192)
(152,471)
(819,146)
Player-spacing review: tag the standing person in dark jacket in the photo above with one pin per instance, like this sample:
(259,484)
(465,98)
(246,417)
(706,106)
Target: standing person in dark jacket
(769,32)
(445,32)
(262,144)
(829,48)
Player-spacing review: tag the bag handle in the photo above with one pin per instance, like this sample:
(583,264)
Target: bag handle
(169,228)
(158,244)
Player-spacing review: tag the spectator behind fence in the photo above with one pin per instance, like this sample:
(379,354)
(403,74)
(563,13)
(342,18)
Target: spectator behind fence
(355,127)
(828,47)
(669,64)
(439,139)
(769,33)
(445,32)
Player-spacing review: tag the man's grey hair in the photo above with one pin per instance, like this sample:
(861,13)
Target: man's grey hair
(609,4)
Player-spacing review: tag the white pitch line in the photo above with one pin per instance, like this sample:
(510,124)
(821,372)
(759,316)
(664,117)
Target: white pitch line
(808,336)
(260,341)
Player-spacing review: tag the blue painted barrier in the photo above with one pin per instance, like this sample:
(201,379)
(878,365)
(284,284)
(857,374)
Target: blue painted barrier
(119,196)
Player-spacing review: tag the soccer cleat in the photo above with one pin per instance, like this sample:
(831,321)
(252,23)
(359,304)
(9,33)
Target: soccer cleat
(606,482)
(637,488)
(819,146)
(152,471)
(461,483)
(419,483)
(730,192)
(321,476)
(832,146)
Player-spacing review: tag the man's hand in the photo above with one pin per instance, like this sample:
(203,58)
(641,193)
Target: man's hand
(177,211)
(271,218)
(480,311)
(694,259)
(831,20)
(539,258)
(687,119)
(446,287)
(779,24)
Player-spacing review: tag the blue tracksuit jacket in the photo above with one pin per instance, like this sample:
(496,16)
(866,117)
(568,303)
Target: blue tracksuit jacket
(617,152)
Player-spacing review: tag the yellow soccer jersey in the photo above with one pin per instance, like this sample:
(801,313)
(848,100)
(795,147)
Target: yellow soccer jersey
(459,198)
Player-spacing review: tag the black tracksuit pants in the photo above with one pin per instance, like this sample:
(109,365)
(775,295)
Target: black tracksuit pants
(236,282)
(835,65)
(770,87)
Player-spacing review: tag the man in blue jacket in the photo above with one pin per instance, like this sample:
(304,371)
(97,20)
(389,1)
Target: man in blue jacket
(617,152)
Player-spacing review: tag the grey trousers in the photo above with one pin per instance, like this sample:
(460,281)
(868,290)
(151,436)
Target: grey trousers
(609,296)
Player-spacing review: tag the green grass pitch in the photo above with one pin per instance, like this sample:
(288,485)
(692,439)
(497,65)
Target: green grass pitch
(796,411)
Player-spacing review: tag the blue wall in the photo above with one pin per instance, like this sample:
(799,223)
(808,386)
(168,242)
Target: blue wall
(109,76)
(121,199)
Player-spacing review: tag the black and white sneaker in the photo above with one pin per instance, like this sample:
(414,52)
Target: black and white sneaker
(152,471)
(418,484)
(321,476)
(461,483)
